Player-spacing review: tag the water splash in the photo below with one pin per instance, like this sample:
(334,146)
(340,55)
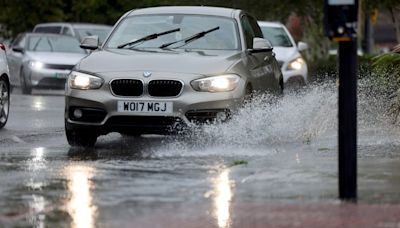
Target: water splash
(299,117)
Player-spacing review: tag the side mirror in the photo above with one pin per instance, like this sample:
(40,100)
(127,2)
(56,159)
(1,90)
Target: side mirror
(90,42)
(18,49)
(302,46)
(261,45)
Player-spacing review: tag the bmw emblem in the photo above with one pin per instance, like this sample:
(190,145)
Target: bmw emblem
(146,74)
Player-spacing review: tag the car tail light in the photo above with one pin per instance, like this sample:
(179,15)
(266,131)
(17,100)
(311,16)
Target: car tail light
(2,46)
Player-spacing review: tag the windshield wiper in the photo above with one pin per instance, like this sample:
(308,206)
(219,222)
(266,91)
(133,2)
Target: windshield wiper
(190,38)
(148,37)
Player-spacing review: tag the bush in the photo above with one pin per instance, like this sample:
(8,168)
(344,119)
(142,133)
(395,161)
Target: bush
(328,68)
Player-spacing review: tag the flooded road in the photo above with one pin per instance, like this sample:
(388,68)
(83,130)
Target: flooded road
(272,160)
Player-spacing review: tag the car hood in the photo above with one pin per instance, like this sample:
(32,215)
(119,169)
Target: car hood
(61,58)
(286,53)
(173,61)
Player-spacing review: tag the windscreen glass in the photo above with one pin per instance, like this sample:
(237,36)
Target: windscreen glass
(54,44)
(277,36)
(136,27)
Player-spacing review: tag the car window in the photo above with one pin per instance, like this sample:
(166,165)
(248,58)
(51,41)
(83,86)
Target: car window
(277,36)
(19,41)
(249,33)
(135,27)
(100,32)
(254,25)
(48,29)
(54,44)
(67,31)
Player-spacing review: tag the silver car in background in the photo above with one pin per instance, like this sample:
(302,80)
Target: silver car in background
(4,87)
(39,60)
(288,53)
(165,68)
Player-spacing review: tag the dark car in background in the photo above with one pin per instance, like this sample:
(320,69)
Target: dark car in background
(42,60)
(78,30)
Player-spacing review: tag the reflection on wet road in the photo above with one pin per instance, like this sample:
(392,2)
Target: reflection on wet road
(223,199)
(171,181)
(80,205)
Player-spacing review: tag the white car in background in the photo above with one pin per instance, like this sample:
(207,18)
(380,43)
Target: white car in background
(293,66)
(4,87)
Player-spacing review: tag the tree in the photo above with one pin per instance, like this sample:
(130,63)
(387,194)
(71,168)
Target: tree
(20,15)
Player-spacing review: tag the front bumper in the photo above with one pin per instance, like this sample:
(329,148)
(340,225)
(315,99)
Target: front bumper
(48,78)
(291,75)
(100,113)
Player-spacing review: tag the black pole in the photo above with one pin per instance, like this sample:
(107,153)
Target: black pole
(348,120)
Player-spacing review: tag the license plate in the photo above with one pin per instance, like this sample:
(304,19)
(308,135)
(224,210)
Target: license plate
(145,106)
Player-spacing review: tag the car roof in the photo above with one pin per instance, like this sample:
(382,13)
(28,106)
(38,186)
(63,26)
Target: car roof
(270,24)
(199,10)
(75,25)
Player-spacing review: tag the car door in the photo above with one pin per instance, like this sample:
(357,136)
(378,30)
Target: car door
(15,58)
(261,65)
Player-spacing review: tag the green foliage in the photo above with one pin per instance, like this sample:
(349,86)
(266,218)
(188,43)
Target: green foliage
(22,15)
(387,68)
(387,60)
(239,162)
(108,12)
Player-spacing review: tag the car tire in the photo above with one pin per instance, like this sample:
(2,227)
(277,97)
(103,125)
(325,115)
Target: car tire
(281,85)
(248,94)
(4,101)
(25,86)
(81,139)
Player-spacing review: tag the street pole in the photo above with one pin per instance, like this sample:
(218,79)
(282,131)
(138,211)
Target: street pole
(340,21)
(348,120)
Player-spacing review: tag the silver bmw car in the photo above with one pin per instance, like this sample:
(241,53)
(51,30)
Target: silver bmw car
(165,68)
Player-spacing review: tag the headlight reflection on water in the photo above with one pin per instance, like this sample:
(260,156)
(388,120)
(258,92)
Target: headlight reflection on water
(222,199)
(38,104)
(80,205)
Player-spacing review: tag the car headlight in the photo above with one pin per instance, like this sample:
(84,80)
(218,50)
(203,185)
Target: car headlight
(78,80)
(296,64)
(36,65)
(222,83)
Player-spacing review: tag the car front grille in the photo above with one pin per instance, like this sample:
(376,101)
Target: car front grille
(208,116)
(146,124)
(127,87)
(165,88)
(59,66)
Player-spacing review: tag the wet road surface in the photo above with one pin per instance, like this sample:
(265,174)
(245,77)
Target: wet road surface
(275,166)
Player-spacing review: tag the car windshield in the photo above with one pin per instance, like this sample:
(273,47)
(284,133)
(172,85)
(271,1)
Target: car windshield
(277,36)
(136,27)
(101,33)
(54,44)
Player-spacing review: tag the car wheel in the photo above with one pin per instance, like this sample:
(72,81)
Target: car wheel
(281,85)
(83,139)
(25,86)
(4,101)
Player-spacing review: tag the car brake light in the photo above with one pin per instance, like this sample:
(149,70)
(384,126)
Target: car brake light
(2,46)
